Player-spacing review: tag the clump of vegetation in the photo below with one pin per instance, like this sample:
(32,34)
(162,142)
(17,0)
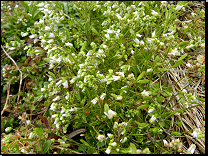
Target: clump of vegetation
(103,77)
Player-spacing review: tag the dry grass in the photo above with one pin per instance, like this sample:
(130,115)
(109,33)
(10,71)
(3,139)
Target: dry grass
(190,118)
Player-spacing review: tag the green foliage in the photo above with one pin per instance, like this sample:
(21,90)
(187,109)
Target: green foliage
(92,69)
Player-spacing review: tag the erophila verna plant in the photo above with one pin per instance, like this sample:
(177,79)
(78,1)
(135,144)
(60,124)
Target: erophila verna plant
(107,86)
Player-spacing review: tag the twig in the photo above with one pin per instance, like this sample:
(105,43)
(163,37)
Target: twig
(19,71)
(8,91)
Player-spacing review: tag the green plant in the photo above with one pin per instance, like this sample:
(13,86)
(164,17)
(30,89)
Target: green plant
(109,76)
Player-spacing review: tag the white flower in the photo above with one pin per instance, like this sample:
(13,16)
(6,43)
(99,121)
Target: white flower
(110,135)
(65,84)
(123,140)
(113,144)
(40,4)
(73,80)
(145,93)
(101,137)
(53,107)
(24,34)
(149,70)
(57,125)
(110,114)
(57,98)
(150,110)
(184,91)
(50,79)
(8,129)
(31,135)
(191,149)
(54,115)
(178,7)
(152,119)
(12,48)
(138,35)
(107,36)
(108,151)
(102,96)
(132,52)
(32,36)
(94,101)
(51,35)
(47,28)
(130,151)
(120,73)
(119,97)
(58,83)
(16,6)
(23,150)
(116,77)
(105,46)
(154,13)
(153,34)
(71,110)
(165,143)
(196,132)
(189,65)
(174,52)
(137,41)
(186,104)
(109,31)
(69,44)
(119,17)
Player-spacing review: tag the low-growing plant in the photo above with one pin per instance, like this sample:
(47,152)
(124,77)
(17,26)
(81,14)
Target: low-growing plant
(105,80)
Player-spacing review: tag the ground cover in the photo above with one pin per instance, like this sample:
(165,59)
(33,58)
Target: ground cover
(103,77)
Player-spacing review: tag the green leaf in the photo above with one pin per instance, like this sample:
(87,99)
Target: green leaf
(143,106)
(166,93)
(39,131)
(106,108)
(67,31)
(46,146)
(52,74)
(47,60)
(90,151)
(141,125)
(25,5)
(200,99)
(180,94)
(163,69)
(93,93)
(128,124)
(182,57)
(124,151)
(141,76)
(179,123)
(78,97)
(179,111)
(147,98)
(183,44)
(159,64)
(84,142)
(84,45)
(177,133)
(143,81)
(182,100)
(71,23)
(95,31)
(133,148)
